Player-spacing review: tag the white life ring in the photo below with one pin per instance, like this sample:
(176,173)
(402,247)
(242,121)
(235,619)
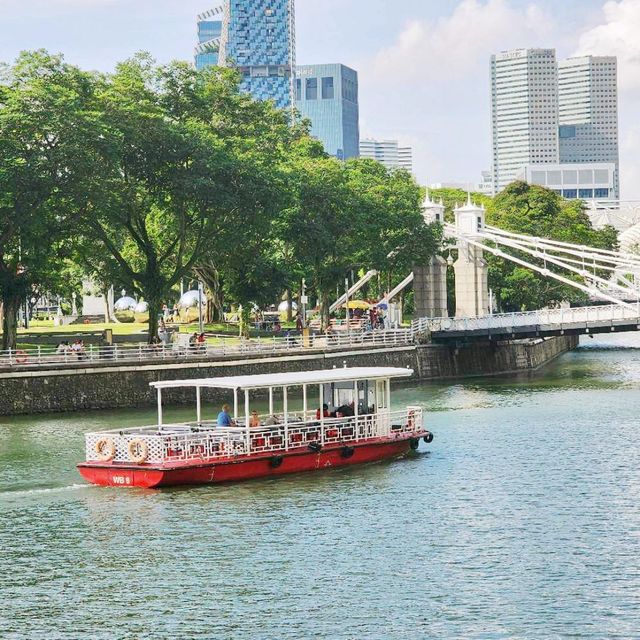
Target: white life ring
(138,451)
(105,449)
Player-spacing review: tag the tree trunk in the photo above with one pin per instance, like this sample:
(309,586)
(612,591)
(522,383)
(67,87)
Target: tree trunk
(324,311)
(155,307)
(10,304)
(244,316)
(289,305)
(211,278)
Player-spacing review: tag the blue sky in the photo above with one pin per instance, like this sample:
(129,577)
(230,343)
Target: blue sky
(423,64)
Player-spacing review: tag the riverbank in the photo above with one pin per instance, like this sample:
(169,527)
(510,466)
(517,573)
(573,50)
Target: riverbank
(111,386)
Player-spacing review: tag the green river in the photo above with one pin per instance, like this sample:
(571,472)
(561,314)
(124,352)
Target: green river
(520,520)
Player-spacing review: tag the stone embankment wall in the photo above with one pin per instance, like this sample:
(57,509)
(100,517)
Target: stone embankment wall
(108,386)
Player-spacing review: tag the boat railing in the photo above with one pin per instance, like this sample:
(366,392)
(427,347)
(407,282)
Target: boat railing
(180,443)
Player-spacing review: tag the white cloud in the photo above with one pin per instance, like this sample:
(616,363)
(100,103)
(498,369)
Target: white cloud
(617,36)
(431,86)
(461,42)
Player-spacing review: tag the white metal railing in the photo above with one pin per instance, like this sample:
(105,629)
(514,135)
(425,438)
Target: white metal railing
(180,443)
(543,318)
(224,346)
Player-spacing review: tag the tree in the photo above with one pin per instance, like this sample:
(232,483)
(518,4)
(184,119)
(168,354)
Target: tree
(349,216)
(536,211)
(46,119)
(187,163)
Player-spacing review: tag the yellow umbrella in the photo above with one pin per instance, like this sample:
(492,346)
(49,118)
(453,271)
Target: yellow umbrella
(358,304)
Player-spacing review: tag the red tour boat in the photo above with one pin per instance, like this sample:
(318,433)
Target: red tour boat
(345,418)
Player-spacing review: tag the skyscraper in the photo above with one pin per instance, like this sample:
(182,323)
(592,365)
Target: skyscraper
(588,112)
(388,152)
(524,111)
(209,31)
(258,38)
(327,94)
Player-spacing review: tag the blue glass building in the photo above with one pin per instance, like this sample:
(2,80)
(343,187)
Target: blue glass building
(327,94)
(258,38)
(209,32)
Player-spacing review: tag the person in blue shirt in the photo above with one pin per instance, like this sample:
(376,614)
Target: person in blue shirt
(224,418)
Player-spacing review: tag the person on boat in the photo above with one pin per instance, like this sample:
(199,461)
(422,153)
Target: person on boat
(325,412)
(271,421)
(345,411)
(224,417)
(254,420)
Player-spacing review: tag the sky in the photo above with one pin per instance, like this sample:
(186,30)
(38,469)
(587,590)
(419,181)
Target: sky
(423,64)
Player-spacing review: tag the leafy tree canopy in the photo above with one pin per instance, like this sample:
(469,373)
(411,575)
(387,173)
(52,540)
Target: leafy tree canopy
(46,120)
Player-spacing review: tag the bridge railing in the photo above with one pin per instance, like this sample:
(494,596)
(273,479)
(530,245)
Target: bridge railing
(222,346)
(540,318)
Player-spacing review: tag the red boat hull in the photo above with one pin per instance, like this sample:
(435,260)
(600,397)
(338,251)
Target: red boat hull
(238,469)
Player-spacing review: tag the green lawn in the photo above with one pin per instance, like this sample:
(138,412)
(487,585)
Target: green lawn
(230,330)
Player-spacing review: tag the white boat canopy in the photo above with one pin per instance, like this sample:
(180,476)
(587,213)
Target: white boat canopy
(290,379)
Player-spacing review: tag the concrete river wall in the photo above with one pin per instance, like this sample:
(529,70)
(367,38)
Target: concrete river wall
(107,385)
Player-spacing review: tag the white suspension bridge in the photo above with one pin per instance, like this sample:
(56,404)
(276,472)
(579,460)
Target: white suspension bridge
(610,278)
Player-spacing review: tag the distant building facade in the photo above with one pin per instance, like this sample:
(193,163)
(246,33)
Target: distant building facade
(591,182)
(209,32)
(327,94)
(258,38)
(524,111)
(549,113)
(388,152)
(588,111)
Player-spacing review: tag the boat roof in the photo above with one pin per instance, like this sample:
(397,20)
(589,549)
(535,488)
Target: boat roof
(289,379)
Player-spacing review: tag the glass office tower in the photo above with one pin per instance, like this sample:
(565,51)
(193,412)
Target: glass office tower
(327,94)
(588,105)
(209,32)
(388,152)
(524,111)
(258,38)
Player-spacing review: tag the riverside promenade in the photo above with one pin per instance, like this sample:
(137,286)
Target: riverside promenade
(37,383)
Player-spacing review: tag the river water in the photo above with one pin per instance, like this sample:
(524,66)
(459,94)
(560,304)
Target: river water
(520,520)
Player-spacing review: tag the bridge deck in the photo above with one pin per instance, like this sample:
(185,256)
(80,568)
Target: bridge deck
(543,323)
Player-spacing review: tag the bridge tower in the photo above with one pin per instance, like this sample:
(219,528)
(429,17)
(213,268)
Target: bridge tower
(430,280)
(471,270)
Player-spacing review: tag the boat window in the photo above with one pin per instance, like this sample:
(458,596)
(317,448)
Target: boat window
(342,393)
(381,394)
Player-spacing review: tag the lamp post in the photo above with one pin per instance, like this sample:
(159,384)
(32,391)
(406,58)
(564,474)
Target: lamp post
(303,303)
(346,302)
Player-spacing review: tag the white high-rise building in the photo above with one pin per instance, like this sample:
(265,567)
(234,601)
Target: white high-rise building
(524,111)
(588,112)
(388,152)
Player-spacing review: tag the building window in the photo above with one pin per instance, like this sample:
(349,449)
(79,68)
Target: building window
(571,194)
(298,89)
(567,131)
(311,92)
(327,89)
(601,193)
(585,193)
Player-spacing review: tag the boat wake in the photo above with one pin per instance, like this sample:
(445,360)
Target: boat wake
(14,493)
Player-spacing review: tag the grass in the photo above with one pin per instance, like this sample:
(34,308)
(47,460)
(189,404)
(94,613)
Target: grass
(46,326)
(129,328)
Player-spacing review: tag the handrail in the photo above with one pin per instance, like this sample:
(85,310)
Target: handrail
(42,356)
(192,444)
(540,318)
